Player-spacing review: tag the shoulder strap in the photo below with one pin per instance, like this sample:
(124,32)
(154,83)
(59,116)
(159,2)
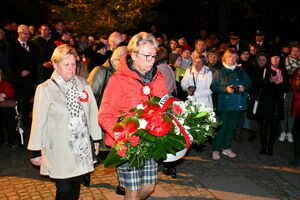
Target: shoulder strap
(103,87)
(54,81)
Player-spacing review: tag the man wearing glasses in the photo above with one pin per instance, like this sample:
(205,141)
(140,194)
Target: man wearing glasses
(22,61)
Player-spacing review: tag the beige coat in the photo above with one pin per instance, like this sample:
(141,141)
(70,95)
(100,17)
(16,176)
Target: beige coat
(49,130)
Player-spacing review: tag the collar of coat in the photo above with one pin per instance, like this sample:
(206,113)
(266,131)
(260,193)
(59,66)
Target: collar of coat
(126,67)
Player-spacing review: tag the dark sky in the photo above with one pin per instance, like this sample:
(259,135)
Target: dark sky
(187,17)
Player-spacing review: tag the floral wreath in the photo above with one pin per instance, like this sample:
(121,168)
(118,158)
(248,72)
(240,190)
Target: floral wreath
(160,127)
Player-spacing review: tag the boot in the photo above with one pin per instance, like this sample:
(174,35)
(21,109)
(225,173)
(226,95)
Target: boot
(263,149)
(270,150)
(86,180)
(120,190)
(170,171)
(252,136)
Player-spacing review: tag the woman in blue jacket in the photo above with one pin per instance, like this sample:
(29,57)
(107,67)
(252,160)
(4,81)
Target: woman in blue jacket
(231,84)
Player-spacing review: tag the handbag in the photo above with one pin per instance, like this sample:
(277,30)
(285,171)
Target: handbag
(94,156)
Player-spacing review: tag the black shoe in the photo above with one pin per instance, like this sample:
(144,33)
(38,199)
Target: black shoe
(170,172)
(103,154)
(296,163)
(252,136)
(12,146)
(86,180)
(120,190)
(263,151)
(270,151)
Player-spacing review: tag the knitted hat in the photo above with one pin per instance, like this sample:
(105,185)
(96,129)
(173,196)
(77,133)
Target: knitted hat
(186,47)
(261,54)
(275,53)
(172,58)
(99,46)
(243,49)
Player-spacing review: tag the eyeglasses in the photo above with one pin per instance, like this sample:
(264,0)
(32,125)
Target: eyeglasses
(148,57)
(25,33)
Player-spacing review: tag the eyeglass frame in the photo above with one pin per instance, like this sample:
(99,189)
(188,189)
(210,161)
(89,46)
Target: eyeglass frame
(148,56)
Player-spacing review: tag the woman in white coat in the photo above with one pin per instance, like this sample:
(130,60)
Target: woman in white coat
(197,80)
(64,118)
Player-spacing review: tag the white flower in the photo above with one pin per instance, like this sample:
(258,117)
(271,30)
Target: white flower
(143,123)
(181,120)
(207,128)
(186,127)
(190,98)
(146,90)
(140,106)
(177,131)
(82,95)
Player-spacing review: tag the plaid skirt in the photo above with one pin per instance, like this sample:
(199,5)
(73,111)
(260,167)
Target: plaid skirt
(135,178)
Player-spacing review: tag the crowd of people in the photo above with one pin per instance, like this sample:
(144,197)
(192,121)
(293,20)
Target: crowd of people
(252,86)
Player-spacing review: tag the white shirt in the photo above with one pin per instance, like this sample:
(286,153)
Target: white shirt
(202,81)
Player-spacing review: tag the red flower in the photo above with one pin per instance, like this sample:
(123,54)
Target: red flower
(151,110)
(83,96)
(123,130)
(177,109)
(58,43)
(159,125)
(134,140)
(122,150)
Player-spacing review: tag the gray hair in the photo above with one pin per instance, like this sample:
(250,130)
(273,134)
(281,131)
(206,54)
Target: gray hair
(140,39)
(22,28)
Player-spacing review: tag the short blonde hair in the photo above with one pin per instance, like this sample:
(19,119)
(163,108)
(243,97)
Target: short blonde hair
(227,52)
(140,39)
(61,52)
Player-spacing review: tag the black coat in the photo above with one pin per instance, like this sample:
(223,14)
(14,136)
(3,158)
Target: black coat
(270,95)
(45,49)
(19,59)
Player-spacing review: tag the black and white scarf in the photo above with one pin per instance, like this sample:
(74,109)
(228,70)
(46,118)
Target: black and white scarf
(79,139)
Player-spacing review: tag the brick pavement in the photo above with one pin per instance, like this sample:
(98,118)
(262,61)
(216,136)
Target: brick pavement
(249,176)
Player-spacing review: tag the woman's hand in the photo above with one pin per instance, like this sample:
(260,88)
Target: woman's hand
(241,88)
(229,89)
(96,145)
(37,161)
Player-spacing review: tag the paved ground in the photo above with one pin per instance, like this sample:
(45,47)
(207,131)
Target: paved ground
(250,176)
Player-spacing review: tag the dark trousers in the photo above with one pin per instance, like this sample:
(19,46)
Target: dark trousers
(7,120)
(229,121)
(24,94)
(268,132)
(296,135)
(68,189)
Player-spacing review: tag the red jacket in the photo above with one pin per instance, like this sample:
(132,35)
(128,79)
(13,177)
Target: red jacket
(124,91)
(295,108)
(7,89)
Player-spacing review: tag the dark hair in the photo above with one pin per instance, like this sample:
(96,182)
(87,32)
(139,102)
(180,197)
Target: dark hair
(162,53)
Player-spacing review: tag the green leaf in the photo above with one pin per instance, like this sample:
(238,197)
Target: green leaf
(202,114)
(145,135)
(113,159)
(156,99)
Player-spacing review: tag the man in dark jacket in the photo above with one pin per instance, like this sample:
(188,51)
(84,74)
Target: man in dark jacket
(22,61)
(45,47)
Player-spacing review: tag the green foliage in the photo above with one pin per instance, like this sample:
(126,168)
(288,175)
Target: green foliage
(167,144)
(102,16)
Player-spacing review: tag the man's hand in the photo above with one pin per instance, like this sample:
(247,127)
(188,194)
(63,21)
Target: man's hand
(47,65)
(25,73)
